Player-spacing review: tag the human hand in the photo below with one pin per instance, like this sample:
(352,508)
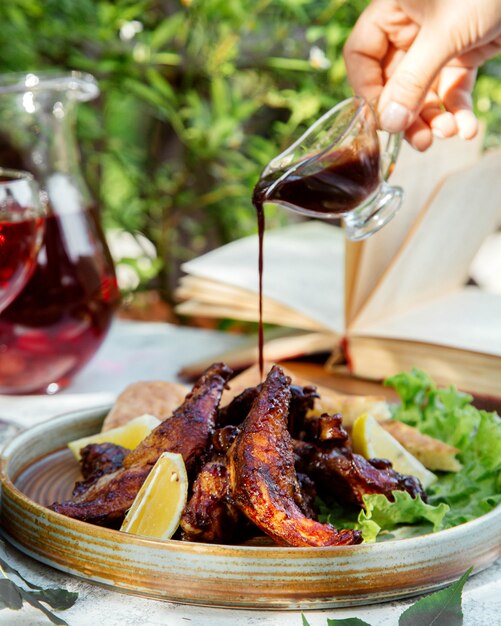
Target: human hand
(418,60)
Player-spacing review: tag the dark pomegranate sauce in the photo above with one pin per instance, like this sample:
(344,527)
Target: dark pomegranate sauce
(328,187)
(341,183)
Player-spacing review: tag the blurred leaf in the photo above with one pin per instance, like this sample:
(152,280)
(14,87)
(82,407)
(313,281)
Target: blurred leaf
(10,597)
(166,30)
(441,607)
(196,98)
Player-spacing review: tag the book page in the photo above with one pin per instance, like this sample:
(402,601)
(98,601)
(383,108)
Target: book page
(303,269)
(418,174)
(436,256)
(468,318)
(485,268)
(209,298)
(278,346)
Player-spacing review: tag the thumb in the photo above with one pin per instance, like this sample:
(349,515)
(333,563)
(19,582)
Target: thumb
(404,93)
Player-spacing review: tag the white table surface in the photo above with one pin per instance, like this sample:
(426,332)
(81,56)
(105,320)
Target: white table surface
(150,351)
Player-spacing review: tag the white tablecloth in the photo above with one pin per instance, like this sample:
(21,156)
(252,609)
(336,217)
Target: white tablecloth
(141,351)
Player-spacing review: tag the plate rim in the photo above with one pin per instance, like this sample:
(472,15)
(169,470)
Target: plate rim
(95,412)
(316,558)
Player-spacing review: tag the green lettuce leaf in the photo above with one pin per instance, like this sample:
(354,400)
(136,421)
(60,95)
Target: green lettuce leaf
(337,514)
(380,513)
(449,415)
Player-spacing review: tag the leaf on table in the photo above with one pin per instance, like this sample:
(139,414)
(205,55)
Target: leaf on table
(31,599)
(10,598)
(441,607)
(59,599)
(7,568)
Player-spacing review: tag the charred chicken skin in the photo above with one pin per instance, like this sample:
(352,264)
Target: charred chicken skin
(337,471)
(209,514)
(187,432)
(263,481)
(96,460)
(191,425)
(302,400)
(106,501)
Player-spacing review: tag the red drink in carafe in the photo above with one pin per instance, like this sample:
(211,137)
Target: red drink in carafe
(61,317)
(18,245)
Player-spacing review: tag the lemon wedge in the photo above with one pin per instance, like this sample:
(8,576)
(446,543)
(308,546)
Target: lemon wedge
(129,436)
(158,506)
(371,441)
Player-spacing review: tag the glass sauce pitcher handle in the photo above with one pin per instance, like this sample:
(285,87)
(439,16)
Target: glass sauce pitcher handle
(389,152)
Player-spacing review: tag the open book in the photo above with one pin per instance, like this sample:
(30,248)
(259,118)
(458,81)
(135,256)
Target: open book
(394,301)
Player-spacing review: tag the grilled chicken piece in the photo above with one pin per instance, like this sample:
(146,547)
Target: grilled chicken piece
(223,438)
(305,499)
(325,428)
(97,459)
(302,400)
(101,458)
(209,515)
(186,432)
(263,481)
(106,502)
(236,411)
(338,472)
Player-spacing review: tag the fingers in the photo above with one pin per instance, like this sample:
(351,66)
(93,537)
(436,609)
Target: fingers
(389,59)
(455,87)
(418,68)
(440,121)
(419,135)
(363,53)
(466,121)
(405,92)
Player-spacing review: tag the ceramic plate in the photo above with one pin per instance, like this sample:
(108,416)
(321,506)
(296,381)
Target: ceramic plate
(37,469)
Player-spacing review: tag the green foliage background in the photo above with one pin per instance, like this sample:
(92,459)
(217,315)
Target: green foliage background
(196,97)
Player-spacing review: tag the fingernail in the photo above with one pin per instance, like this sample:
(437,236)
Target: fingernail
(437,133)
(467,124)
(394,117)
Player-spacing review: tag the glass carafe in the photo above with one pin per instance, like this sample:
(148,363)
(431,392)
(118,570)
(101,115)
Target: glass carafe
(61,317)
